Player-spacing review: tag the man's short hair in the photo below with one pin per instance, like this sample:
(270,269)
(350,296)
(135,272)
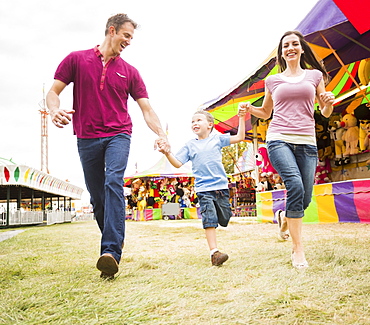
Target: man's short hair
(117,21)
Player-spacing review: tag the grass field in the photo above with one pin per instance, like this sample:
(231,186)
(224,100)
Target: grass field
(48,276)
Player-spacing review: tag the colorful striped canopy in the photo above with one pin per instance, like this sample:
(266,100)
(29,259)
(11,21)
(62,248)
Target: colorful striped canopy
(340,34)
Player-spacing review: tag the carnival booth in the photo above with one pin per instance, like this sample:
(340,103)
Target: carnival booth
(339,33)
(242,186)
(29,196)
(162,192)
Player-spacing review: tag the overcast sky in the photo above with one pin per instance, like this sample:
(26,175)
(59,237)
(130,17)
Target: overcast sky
(188,52)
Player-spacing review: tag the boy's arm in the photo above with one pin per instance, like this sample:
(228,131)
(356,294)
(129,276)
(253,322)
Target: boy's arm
(171,158)
(240,136)
(173,161)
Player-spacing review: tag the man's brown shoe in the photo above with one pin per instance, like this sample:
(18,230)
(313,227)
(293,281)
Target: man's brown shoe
(108,265)
(106,276)
(218,258)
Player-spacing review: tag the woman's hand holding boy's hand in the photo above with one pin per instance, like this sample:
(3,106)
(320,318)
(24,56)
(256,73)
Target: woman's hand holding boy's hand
(245,106)
(242,111)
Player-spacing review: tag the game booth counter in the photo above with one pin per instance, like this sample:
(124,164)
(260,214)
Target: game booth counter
(242,185)
(340,194)
(161,192)
(339,33)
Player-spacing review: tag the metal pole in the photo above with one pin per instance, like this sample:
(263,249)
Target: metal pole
(255,150)
(7,205)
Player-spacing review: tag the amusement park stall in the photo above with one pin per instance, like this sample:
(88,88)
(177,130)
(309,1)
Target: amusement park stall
(339,33)
(29,196)
(161,192)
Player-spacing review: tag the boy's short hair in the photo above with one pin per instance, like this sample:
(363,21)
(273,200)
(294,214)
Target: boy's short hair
(208,115)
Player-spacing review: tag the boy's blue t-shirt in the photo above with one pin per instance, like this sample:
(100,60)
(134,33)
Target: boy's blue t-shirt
(206,158)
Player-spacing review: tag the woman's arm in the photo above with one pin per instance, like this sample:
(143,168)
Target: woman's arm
(264,111)
(325,99)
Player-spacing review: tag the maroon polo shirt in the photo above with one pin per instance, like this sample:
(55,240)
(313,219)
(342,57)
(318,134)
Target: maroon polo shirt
(100,93)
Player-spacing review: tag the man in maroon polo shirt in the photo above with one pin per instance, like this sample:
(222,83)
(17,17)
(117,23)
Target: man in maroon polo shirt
(102,82)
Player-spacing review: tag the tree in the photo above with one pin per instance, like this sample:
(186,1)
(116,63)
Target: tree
(231,154)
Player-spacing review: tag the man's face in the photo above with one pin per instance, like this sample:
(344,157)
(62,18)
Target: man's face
(121,38)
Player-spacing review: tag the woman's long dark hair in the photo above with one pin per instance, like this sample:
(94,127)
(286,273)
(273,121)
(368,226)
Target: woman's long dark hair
(308,59)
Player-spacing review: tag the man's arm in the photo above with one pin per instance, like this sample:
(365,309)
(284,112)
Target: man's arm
(154,124)
(58,116)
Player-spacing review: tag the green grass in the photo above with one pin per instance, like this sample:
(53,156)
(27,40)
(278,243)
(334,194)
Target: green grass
(48,276)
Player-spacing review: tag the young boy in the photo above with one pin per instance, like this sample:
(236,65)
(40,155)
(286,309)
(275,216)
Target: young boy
(211,184)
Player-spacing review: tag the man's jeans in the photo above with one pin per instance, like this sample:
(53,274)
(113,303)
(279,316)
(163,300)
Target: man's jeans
(104,161)
(296,164)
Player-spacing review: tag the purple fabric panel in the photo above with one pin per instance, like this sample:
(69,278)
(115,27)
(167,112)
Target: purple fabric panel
(350,52)
(325,14)
(344,201)
(278,198)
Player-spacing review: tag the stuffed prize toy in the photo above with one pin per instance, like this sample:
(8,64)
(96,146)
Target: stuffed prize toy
(350,137)
(336,135)
(362,113)
(263,161)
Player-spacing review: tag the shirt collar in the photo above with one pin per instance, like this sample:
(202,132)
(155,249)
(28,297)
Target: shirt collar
(100,55)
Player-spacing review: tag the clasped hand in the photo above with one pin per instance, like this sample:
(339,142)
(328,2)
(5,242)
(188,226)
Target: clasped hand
(327,97)
(61,117)
(244,107)
(162,145)
(242,110)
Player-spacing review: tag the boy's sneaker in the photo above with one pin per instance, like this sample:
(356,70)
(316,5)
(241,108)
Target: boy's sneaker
(218,258)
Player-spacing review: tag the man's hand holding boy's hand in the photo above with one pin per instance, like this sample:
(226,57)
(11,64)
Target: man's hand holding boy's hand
(163,146)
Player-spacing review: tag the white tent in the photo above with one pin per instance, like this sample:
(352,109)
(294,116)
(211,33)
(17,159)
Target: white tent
(164,169)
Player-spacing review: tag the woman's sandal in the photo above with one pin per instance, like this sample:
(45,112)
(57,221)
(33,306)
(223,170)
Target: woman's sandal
(299,266)
(283,235)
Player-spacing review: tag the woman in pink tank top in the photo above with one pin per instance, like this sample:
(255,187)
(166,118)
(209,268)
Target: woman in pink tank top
(290,139)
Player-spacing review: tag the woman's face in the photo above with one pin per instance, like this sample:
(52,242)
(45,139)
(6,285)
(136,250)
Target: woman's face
(291,48)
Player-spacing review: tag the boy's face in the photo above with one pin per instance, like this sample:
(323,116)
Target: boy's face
(200,126)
